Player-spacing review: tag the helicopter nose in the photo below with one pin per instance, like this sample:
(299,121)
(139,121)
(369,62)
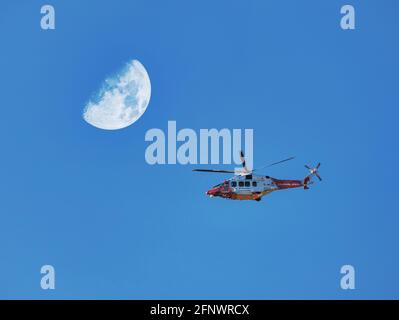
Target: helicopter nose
(212,192)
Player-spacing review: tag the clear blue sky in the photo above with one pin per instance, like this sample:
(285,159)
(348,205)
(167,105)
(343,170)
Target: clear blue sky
(85,201)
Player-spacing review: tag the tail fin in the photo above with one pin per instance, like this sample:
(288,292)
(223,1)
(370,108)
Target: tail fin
(306,182)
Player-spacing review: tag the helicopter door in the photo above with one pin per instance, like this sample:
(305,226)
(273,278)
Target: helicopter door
(244,187)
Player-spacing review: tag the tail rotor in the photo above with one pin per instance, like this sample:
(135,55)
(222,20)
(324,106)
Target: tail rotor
(314,171)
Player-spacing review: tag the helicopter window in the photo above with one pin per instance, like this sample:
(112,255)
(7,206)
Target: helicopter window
(241,183)
(247,183)
(254,183)
(233,184)
(248,177)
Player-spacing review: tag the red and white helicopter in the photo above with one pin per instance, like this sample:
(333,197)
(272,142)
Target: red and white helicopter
(247,186)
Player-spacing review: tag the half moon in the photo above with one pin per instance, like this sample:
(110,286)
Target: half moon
(122,100)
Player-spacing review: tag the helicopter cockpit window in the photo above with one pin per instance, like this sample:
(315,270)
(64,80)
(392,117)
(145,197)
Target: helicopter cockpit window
(241,183)
(233,184)
(254,183)
(247,183)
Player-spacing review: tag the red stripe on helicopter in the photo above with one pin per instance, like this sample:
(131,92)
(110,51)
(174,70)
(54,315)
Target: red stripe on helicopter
(286,184)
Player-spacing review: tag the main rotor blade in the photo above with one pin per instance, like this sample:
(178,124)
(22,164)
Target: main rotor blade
(290,158)
(216,171)
(243,160)
(273,164)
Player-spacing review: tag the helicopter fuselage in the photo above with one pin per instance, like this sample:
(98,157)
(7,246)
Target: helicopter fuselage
(252,187)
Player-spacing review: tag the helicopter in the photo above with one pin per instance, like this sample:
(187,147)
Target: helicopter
(245,185)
